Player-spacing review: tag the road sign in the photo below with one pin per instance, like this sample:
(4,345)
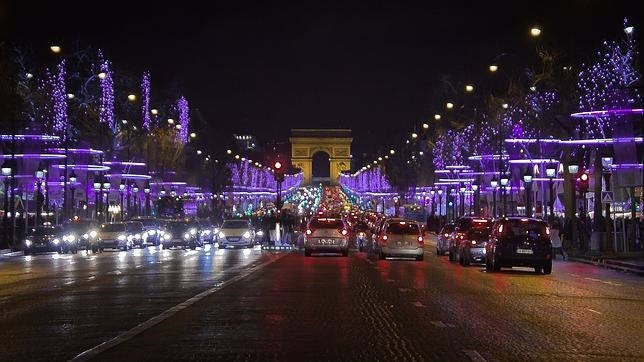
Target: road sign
(607,197)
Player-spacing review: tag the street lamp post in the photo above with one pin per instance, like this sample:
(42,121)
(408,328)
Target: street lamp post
(432,192)
(550,173)
(494,183)
(72,187)
(504,193)
(573,171)
(462,190)
(135,191)
(527,180)
(39,176)
(440,207)
(607,163)
(6,175)
(146,191)
(122,187)
(97,192)
(106,189)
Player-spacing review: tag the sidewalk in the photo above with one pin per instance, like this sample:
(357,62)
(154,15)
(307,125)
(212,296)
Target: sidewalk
(632,264)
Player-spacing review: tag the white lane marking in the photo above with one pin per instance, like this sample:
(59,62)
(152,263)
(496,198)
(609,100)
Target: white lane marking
(418,304)
(115,272)
(594,311)
(573,275)
(91,277)
(125,336)
(612,283)
(474,355)
(593,279)
(70,282)
(138,266)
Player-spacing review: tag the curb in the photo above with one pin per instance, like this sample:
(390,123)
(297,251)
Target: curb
(609,265)
(8,252)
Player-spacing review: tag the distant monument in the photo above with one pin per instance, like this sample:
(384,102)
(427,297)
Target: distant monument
(335,143)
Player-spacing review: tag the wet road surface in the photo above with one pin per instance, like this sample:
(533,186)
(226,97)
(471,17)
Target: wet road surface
(318,308)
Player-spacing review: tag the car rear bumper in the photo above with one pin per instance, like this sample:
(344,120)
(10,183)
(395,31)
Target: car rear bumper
(401,251)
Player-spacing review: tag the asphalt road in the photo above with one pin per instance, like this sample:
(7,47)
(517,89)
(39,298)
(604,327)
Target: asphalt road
(259,305)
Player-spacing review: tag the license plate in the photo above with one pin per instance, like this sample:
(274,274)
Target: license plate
(524,251)
(233,239)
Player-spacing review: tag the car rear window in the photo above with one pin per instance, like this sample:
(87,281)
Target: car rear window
(403,228)
(530,229)
(478,234)
(325,223)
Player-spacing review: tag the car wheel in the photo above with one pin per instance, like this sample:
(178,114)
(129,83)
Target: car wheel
(451,255)
(466,259)
(345,253)
(547,267)
(420,257)
(193,246)
(222,246)
(307,252)
(27,252)
(488,264)
(495,263)
(381,256)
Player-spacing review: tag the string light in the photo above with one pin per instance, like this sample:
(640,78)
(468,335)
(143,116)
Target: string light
(145,104)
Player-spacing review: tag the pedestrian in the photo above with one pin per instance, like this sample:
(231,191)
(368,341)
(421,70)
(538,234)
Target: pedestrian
(555,239)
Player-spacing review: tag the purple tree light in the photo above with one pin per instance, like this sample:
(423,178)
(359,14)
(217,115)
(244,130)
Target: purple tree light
(106,115)
(59,100)
(145,105)
(184,120)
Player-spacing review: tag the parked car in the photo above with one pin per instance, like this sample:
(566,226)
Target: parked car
(463,225)
(401,238)
(42,239)
(236,233)
(519,241)
(180,233)
(324,234)
(114,235)
(442,241)
(472,246)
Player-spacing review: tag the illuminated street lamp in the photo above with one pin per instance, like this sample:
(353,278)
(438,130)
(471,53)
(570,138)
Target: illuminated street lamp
(535,31)
(437,117)
(469,88)
(527,181)
(449,105)
(493,68)
(551,171)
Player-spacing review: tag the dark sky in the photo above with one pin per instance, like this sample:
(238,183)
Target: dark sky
(265,68)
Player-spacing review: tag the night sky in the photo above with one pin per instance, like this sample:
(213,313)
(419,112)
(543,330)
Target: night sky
(266,68)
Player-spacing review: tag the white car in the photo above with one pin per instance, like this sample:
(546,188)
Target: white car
(236,233)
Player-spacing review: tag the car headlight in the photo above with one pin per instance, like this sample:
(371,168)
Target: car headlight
(93,233)
(167,236)
(246,235)
(193,231)
(216,230)
(221,235)
(260,233)
(121,237)
(151,232)
(28,242)
(137,236)
(86,236)
(71,238)
(56,241)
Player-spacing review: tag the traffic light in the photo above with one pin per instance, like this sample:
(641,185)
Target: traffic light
(582,182)
(278,171)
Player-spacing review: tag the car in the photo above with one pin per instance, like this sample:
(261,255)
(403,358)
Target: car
(136,234)
(236,233)
(464,224)
(519,241)
(114,235)
(400,238)
(472,246)
(206,231)
(180,233)
(79,234)
(325,234)
(151,230)
(442,241)
(42,239)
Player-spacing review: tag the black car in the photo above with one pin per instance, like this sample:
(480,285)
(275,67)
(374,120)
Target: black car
(136,233)
(519,241)
(151,234)
(81,234)
(182,234)
(43,239)
(360,234)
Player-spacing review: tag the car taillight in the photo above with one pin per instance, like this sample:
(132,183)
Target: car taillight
(446,235)
(344,232)
(547,230)
(420,239)
(473,242)
(384,237)
(309,232)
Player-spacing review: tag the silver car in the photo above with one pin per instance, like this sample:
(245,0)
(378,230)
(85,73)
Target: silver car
(326,235)
(236,233)
(114,235)
(442,241)
(401,238)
